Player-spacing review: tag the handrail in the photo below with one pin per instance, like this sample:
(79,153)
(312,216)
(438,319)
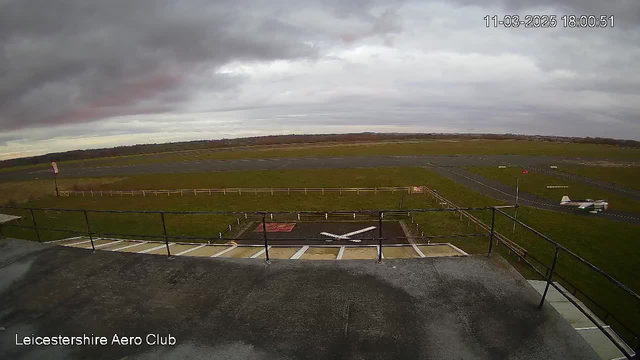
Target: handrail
(579,258)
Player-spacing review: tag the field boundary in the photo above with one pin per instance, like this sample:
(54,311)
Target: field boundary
(246,191)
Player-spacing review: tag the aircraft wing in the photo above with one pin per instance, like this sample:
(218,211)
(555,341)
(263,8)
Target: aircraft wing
(586,206)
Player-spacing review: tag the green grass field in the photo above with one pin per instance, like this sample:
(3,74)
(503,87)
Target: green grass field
(610,245)
(424,147)
(536,183)
(626,176)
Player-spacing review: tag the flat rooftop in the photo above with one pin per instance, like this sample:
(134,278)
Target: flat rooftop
(427,308)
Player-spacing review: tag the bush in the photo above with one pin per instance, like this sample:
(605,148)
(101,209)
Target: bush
(11,202)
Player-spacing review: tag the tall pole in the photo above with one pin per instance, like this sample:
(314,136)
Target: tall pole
(35,225)
(379,235)
(264,234)
(493,221)
(515,212)
(164,231)
(54,168)
(550,277)
(86,219)
(55,180)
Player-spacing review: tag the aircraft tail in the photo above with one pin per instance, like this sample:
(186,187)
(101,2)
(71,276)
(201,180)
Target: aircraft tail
(565,199)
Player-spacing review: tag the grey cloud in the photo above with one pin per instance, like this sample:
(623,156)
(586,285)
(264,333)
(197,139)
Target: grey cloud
(73,61)
(70,61)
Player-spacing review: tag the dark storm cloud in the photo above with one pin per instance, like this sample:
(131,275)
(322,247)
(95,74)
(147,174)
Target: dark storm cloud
(72,61)
(69,61)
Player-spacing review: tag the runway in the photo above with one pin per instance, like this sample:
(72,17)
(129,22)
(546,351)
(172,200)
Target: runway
(331,162)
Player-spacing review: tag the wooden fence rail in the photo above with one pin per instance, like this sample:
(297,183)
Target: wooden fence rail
(242,191)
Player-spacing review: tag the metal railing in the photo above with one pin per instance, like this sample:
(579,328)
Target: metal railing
(378,215)
(551,272)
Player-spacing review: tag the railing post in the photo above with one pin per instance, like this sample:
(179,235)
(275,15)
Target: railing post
(550,277)
(35,225)
(164,230)
(493,222)
(86,219)
(264,235)
(379,236)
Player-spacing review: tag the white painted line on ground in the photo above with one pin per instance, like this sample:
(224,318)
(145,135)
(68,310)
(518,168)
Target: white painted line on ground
(592,328)
(340,253)
(418,250)
(259,253)
(190,250)
(128,246)
(300,252)
(79,243)
(153,249)
(458,249)
(224,251)
(107,244)
(71,238)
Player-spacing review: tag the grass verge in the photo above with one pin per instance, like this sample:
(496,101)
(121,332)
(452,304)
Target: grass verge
(625,176)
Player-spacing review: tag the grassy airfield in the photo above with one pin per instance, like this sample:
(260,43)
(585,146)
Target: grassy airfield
(397,148)
(536,183)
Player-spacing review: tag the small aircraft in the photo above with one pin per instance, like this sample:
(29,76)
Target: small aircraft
(590,205)
(347,236)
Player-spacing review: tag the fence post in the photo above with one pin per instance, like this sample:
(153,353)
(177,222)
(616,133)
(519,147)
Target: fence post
(164,230)
(1,234)
(35,225)
(379,236)
(86,219)
(550,278)
(493,220)
(264,234)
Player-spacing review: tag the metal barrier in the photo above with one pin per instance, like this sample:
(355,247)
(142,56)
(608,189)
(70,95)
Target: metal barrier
(520,252)
(549,282)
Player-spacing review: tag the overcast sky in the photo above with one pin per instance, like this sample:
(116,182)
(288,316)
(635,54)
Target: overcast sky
(101,73)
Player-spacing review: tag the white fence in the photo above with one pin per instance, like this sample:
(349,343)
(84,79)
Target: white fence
(245,191)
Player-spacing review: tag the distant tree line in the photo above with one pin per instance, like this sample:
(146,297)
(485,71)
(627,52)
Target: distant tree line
(292,140)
